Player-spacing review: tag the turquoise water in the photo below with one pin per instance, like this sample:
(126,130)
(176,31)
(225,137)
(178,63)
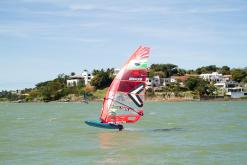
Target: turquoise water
(169,133)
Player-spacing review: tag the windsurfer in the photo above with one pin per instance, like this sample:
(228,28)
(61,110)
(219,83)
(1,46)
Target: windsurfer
(140,113)
(113,113)
(126,93)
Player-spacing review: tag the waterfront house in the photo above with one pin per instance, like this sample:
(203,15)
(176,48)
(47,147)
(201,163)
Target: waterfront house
(236,92)
(152,82)
(74,80)
(165,81)
(212,77)
(156,81)
(181,79)
(231,88)
(87,76)
(226,84)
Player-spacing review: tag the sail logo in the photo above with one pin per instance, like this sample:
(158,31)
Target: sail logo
(125,108)
(133,94)
(137,64)
(135,79)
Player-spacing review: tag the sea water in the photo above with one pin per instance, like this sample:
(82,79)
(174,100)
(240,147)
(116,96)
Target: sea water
(169,133)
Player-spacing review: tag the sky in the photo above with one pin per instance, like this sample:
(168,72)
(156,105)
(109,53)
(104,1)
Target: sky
(40,39)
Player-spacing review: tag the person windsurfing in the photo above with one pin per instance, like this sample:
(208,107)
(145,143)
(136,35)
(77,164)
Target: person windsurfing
(124,99)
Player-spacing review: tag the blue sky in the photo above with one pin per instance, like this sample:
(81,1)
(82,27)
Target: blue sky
(41,38)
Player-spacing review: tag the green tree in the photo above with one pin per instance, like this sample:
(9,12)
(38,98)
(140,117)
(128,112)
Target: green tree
(225,70)
(199,85)
(102,79)
(62,78)
(239,75)
(151,73)
(181,72)
(51,90)
(190,71)
(168,69)
(210,90)
(207,69)
(160,74)
(9,96)
(34,93)
(81,84)
(95,72)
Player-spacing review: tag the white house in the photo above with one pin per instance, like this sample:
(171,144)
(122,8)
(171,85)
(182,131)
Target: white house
(226,84)
(87,76)
(16,92)
(227,78)
(84,76)
(153,82)
(236,95)
(215,77)
(156,81)
(231,88)
(74,80)
(236,92)
(165,81)
(148,82)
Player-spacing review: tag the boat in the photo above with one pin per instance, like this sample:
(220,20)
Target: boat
(124,100)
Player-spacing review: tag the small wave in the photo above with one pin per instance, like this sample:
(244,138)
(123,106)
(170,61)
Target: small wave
(20,118)
(152,113)
(166,129)
(152,130)
(52,119)
(134,129)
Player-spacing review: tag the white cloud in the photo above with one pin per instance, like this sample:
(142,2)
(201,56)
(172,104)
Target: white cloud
(118,8)
(208,10)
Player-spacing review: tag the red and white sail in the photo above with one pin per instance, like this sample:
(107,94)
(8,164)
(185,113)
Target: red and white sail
(124,100)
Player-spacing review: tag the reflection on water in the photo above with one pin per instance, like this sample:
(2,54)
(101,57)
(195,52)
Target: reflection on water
(113,143)
(128,136)
(117,144)
(108,140)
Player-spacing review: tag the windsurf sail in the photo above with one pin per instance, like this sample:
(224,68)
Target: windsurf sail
(124,100)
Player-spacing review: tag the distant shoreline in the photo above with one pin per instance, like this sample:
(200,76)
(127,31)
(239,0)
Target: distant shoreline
(147,100)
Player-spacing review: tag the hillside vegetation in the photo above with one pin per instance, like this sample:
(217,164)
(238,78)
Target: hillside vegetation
(57,90)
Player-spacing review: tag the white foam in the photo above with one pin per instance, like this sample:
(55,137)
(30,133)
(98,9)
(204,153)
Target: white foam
(20,118)
(152,113)
(52,119)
